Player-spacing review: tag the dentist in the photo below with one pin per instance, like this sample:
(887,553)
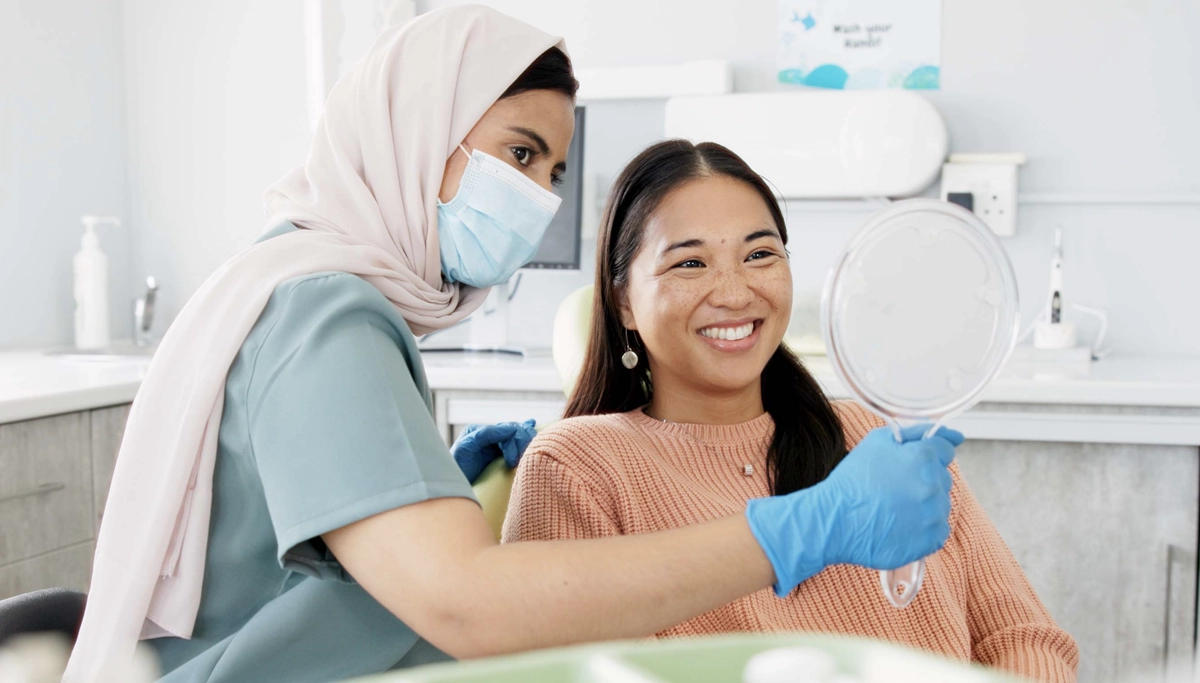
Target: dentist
(283,507)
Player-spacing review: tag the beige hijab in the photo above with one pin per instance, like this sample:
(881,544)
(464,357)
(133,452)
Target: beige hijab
(367,198)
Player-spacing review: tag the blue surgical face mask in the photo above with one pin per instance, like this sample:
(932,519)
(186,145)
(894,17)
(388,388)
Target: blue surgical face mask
(494,225)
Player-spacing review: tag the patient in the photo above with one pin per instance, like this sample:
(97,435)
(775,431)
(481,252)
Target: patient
(692,276)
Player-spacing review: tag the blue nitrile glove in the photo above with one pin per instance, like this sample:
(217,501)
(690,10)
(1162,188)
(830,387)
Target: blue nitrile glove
(885,505)
(479,445)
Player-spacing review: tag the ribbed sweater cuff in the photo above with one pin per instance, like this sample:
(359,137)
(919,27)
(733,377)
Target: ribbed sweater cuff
(1032,652)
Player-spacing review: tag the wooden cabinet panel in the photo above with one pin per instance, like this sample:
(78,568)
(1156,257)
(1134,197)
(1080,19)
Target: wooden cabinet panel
(68,567)
(108,427)
(45,486)
(1107,535)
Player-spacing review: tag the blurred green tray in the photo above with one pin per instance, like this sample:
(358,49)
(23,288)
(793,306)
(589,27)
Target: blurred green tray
(717,659)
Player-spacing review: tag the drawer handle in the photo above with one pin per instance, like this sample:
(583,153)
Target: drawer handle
(1175,555)
(42,489)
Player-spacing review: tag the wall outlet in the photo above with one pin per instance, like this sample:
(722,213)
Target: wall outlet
(985,184)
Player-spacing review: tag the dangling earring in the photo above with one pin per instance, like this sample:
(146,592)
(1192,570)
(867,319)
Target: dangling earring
(629,359)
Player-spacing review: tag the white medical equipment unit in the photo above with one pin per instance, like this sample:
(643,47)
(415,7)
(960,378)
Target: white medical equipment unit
(823,144)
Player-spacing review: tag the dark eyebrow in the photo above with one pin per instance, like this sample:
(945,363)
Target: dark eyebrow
(540,142)
(696,242)
(765,232)
(684,245)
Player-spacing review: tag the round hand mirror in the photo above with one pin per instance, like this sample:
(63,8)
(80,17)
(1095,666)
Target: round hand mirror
(919,313)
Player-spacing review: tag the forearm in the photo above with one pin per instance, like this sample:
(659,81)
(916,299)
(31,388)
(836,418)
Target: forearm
(436,566)
(562,592)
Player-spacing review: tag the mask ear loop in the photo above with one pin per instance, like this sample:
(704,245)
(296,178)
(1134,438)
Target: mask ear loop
(464,151)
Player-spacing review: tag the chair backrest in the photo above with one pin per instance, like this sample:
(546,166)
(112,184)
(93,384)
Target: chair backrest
(52,609)
(572,325)
(493,489)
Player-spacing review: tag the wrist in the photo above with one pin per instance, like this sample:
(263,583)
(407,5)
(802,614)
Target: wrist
(792,535)
(827,511)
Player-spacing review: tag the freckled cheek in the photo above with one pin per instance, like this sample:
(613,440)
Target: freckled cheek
(667,311)
(775,287)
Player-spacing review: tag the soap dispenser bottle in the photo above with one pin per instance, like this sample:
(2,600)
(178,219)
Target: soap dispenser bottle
(91,287)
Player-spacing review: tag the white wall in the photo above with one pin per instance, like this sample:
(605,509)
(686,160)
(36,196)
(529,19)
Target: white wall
(1102,96)
(62,155)
(217,112)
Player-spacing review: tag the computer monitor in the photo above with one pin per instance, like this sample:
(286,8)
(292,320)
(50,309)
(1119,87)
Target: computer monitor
(560,247)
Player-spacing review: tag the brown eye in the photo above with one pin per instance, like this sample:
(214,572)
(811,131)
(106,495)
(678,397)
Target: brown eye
(523,155)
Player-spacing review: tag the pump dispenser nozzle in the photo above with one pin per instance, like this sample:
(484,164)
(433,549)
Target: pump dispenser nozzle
(91,222)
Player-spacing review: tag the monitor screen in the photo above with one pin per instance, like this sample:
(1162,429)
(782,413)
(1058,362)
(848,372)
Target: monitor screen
(560,247)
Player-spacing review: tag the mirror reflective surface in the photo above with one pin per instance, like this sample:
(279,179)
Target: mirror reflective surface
(919,313)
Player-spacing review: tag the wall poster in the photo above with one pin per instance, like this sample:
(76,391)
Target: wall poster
(860,44)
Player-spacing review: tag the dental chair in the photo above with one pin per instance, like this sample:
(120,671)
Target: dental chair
(55,610)
(572,324)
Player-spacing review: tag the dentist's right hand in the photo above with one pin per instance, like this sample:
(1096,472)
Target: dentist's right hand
(886,504)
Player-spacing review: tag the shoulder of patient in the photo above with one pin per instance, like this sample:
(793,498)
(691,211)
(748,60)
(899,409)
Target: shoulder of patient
(586,440)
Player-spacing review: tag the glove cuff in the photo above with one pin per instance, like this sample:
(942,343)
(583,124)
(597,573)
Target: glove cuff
(783,527)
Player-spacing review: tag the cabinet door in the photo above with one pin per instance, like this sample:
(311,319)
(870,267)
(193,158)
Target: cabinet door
(68,567)
(45,486)
(454,409)
(1107,535)
(108,428)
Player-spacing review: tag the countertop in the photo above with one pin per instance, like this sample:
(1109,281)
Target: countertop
(1116,381)
(34,384)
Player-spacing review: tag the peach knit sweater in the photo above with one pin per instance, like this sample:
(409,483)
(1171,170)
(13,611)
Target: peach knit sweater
(628,473)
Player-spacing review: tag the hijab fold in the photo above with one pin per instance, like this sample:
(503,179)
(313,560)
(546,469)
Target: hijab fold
(366,200)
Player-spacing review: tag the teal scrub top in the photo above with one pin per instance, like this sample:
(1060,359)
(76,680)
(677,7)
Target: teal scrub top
(327,421)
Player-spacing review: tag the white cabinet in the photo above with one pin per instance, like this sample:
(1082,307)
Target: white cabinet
(455,408)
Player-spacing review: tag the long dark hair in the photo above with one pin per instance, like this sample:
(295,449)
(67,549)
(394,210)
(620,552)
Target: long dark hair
(550,71)
(808,441)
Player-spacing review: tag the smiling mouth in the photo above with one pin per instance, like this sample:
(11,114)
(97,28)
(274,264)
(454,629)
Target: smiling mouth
(730,332)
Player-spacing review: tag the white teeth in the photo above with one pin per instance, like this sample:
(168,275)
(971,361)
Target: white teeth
(728,333)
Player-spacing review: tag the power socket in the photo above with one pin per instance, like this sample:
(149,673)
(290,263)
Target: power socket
(985,184)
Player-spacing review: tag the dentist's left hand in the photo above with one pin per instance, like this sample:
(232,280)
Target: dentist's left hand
(479,445)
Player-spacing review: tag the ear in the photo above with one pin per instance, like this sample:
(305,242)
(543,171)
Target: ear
(626,313)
